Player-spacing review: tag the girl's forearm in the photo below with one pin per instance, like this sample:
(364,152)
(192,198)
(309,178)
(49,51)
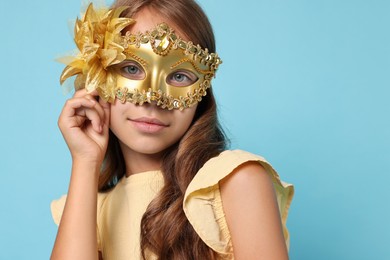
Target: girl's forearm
(77,237)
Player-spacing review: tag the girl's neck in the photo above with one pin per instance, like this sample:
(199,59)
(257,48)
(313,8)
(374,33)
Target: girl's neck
(138,162)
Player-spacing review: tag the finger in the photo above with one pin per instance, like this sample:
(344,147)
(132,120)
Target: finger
(94,96)
(80,93)
(72,104)
(92,116)
(94,93)
(98,106)
(76,110)
(106,109)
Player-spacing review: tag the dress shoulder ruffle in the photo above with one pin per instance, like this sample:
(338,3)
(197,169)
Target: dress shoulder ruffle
(203,205)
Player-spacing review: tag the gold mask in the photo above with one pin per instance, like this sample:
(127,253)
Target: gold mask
(176,73)
(170,71)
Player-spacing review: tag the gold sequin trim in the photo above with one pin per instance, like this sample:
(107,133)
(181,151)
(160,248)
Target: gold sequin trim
(165,101)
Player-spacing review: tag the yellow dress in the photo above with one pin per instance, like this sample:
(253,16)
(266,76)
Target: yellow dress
(120,210)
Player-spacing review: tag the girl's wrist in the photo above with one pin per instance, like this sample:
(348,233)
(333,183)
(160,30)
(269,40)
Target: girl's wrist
(87,166)
(91,161)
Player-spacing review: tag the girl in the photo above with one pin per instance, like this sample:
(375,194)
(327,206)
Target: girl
(151,178)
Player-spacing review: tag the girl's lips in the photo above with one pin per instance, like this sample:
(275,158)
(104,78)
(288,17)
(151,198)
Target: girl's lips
(148,125)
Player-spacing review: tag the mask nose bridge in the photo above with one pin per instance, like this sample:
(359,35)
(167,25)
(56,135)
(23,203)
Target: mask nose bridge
(154,77)
(157,80)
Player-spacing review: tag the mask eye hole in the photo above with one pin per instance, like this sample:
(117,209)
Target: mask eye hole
(181,78)
(132,70)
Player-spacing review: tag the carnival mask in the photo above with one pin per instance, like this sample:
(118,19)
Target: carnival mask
(155,65)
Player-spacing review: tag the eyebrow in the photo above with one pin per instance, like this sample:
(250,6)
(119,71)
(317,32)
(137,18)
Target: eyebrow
(193,65)
(137,58)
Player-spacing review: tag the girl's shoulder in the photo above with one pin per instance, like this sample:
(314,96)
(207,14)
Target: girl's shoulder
(203,204)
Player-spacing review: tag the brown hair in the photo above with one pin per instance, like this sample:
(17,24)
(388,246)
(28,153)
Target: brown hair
(174,238)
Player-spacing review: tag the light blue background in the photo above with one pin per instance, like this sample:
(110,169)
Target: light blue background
(305,83)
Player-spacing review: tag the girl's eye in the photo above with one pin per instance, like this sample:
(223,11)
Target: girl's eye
(132,70)
(181,78)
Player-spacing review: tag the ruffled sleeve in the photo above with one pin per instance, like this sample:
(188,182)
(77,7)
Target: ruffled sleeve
(203,206)
(57,208)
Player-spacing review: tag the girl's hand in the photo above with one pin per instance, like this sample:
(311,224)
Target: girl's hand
(84,123)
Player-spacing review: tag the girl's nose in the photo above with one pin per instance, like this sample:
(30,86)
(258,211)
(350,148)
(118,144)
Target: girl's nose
(152,105)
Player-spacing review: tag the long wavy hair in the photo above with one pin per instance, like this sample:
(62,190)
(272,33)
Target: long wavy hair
(165,230)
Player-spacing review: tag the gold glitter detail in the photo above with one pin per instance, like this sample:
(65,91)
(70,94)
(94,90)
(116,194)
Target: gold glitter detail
(193,64)
(136,58)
